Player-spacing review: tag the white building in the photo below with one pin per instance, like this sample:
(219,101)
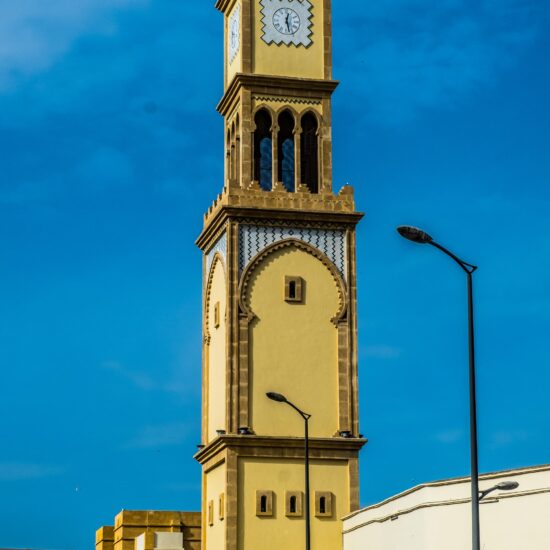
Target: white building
(437,516)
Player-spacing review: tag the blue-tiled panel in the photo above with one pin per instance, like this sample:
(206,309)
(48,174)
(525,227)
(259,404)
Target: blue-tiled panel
(254,238)
(221,247)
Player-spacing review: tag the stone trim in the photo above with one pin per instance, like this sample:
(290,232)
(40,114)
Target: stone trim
(353,373)
(206,342)
(269,498)
(267,84)
(286,100)
(232,481)
(327,512)
(232,347)
(299,511)
(354,484)
(332,219)
(280,447)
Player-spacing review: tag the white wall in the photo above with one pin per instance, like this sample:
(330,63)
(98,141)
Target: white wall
(437,516)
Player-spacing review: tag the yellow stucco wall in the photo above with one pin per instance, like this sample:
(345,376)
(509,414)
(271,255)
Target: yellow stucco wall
(216,356)
(279,531)
(285,60)
(235,66)
(293,346)
(214,535)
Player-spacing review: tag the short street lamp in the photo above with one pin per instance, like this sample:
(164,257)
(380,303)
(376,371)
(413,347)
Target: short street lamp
(282,399)
(421,237)
(504,486)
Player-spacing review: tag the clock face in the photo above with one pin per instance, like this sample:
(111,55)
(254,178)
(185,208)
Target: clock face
(234,33)
(287,22)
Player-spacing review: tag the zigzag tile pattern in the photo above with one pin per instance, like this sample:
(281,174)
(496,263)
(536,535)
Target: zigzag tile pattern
(254,238)
(296,100)
(221,247)
(301,37)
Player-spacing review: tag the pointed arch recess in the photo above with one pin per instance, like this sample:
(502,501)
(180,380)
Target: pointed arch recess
(208,291)
(340,320)
(301,245)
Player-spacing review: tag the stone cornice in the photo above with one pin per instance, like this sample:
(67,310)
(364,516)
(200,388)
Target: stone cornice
(223,5)
(267,84)
(215,222)
(253,445)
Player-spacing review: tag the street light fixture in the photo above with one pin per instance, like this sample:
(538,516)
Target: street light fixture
(282,399)
(504,486)
(421,237)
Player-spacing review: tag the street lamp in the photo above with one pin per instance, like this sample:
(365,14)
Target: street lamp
(282,399)
(504,486)
(421,237)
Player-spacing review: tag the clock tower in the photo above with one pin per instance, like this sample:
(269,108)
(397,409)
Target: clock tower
(279,292)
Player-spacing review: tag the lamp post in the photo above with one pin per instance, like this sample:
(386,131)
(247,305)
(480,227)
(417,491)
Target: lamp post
(282,399)
(504,486)
(421,237)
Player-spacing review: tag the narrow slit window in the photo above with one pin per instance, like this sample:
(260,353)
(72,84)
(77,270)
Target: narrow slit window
(221,510)
(292,505)
(264,503)
(217,315)
(211,513)
(294,500)
(323,504)
(294,289)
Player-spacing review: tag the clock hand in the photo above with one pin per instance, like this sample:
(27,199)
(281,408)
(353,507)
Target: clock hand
(287,21)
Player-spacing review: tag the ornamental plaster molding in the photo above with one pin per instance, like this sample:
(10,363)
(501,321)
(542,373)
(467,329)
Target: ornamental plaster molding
(218,258)
(286,100)
(301,245)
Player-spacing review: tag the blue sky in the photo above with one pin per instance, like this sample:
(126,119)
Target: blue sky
(111,152)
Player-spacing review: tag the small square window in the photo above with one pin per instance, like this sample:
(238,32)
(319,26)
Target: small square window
(294,289)
(221,504)
(294,501)
(217,315)
(264,503)
(323,504)
(211,513)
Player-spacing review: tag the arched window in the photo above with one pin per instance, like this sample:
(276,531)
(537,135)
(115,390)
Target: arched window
(285,143)
(233,153)
(292,505)
(263,152)
(237,150)
(309,153)
(228,154)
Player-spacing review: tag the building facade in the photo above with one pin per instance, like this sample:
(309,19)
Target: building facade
(437,515)
(279,291)
(151,530)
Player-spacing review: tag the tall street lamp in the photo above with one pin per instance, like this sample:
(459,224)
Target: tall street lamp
(282,399)
(421,237)
(504,486)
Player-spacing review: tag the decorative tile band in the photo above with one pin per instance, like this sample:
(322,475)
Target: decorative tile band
(221,247)
(296,100)
(254,238)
